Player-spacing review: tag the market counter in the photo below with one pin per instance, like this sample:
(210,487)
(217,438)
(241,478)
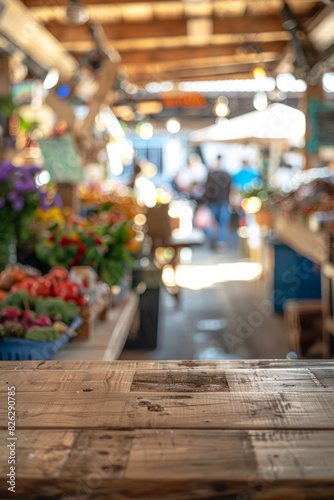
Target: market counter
(180,430)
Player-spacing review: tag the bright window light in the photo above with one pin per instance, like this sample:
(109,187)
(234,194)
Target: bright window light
(173,125)
(198,277)
(328,82)
(114,157)
(287,83)
(246,85)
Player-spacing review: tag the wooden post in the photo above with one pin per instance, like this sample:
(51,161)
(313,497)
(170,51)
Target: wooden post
(4,80)
(312,92)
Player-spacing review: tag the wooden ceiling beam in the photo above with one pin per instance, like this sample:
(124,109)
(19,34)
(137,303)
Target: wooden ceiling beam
(166,28)
(242,75)
(52,3)
(172,66)
(241,71)
(136,45)
(190,53)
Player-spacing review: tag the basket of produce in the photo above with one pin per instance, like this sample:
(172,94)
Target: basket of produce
(40,343)
(38,317)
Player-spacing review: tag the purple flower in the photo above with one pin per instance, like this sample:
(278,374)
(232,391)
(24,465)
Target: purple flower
(57,201)
(46,204)
(17,201)
(43,198)
(33,170)
(24,184)
(6,170)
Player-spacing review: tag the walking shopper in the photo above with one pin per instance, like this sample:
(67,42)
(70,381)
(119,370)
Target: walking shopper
(216,197)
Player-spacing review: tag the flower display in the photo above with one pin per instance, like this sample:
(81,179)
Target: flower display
(103,242)
(20,197)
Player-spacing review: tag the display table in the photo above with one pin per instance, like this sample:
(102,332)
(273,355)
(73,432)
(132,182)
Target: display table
(170,430)
(107,339)
(318,247)
(295,233)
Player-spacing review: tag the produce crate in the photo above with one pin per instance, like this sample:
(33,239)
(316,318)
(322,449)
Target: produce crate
(22,349)
(96,310)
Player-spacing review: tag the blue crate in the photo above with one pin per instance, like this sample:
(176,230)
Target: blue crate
(22,349)
(287,283)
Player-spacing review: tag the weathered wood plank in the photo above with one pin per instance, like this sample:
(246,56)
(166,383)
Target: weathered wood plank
(145,365)
(221,410)
(178,490)
(41,453)
(278,380)
(67,381)
(234,380)
(179,381)
(232,455)
(174,464)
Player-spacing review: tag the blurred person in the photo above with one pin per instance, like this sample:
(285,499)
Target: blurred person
(244,176)
(216,197)
(190,180)
(217,164)
(137,172)
(283,175)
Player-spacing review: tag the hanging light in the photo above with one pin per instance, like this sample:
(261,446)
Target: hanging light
(221,108)
(146,131)
(260,101)
(173,125)
(51,79)
(76,13)
(259,72)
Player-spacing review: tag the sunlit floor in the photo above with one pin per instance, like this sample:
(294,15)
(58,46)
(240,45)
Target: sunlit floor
(221,313)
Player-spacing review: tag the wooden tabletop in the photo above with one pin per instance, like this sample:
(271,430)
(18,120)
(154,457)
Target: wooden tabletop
(181,430)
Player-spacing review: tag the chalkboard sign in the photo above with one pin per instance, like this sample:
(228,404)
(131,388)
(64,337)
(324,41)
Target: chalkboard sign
(61,160)
(321,130)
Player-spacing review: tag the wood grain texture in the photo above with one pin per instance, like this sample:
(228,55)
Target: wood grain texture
(145,365)
(233,380)
(175,464)
(67,381)
(173,410)
(175,430)
(179,381)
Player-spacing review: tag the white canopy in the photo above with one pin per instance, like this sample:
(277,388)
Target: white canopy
(278,121)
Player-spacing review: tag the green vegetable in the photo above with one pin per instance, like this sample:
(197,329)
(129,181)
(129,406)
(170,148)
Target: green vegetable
(57,309)
(13,329)
(18,299)
(40,333)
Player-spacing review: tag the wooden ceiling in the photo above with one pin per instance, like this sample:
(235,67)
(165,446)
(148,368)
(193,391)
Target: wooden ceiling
(157,40)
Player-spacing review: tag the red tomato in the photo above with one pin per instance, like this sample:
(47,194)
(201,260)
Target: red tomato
(67,290)
(42,287)
(82,301)
(26,284)
(58,274)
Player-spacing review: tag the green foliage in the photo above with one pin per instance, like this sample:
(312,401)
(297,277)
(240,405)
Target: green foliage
(101,245)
